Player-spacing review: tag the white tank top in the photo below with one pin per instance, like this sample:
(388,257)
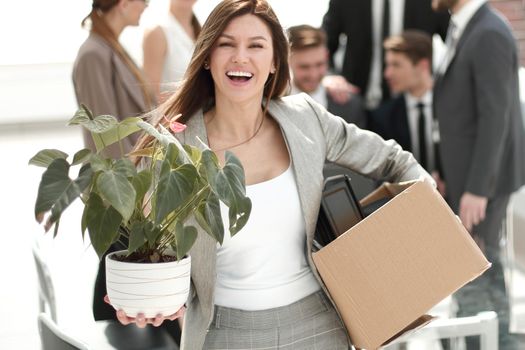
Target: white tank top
(264,265)
(179,50)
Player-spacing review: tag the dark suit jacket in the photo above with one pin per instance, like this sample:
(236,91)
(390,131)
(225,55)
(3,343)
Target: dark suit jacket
(352,111)
(354,19)
(477,104)
(391,122)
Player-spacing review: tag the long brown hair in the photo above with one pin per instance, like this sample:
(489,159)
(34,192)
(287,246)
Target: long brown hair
(100,27)
(197,88)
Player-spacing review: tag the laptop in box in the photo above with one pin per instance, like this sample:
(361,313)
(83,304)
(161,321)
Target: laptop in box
(340,210)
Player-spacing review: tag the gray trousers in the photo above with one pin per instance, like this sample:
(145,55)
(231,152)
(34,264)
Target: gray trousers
(310,323)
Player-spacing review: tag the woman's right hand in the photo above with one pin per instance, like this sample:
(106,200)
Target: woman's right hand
(142,321)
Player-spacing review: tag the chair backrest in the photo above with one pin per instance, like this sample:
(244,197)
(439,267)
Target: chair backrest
(55,338)
(46,291)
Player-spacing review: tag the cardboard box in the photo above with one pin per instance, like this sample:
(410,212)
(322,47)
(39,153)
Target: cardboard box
(391,268)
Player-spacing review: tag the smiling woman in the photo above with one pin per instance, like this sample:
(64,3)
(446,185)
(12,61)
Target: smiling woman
(260,289)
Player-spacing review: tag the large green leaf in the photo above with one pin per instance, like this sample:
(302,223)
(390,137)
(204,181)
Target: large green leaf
(239,213)
(123,129)
(229,184)
(103,224)
(81,156)
(210,167)
(137,237)
(141,182)
(83,221)
(44,157)
(172,155)
(230,180)
(82,115)
(174,189)
(208,216)
(99,163)
(83,180)
(185,237)
(118,191)
(231,189)
(57,191)
(193,153)
(97,125)
(125,167)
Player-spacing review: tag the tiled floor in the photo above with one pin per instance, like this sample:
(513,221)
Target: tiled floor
(72,262)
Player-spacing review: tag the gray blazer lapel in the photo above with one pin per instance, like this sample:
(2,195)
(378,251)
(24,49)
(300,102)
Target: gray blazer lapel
(299,146)
(129,81)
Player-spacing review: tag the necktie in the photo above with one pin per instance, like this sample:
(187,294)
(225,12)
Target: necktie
(450,40)
(450,44)
(421,128)
(386,19)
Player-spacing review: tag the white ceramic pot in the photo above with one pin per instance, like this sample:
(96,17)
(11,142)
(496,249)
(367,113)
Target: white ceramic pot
(150,288)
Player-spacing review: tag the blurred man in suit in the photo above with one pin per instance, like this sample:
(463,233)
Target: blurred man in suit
(476,100)
(309,65)
(407,118)
(366,23)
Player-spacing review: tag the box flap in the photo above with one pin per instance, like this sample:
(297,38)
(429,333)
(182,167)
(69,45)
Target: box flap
(397,264)
(386,190)
(419,323)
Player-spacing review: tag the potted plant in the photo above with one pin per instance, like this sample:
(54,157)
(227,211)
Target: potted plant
(145,204)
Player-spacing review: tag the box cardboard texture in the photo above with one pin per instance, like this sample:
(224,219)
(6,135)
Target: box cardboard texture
(391,268)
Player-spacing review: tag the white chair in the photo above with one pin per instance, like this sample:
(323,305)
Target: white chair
(484,324)
(102,335)
(55,338)
(46,291)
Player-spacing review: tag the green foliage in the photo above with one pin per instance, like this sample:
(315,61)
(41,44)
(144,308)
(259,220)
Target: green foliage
(148,207)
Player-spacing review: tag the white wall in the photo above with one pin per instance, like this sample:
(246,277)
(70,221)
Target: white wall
(40,39)
(36,31)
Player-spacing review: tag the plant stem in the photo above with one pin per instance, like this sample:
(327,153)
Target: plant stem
(195,199)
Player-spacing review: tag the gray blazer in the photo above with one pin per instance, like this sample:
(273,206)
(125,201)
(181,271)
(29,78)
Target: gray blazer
(106,86)
(477,104)
(313,135)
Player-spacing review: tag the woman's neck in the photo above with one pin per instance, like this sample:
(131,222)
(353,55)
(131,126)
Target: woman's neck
(183,14)
(235,122)
(114,22)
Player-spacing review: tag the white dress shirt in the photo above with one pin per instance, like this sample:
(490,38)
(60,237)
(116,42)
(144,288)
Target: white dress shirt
(397,12)
(413,117)
(319,95)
